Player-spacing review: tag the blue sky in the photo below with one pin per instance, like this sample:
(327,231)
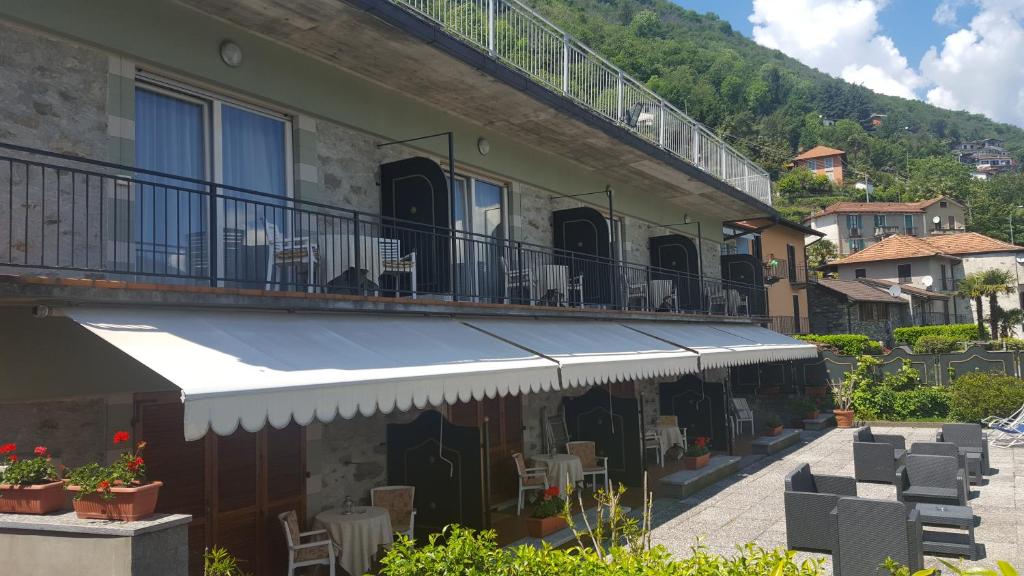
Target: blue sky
(957,54)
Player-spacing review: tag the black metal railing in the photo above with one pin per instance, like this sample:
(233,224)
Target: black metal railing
(940,318)
(789,324)
(882,231)
(776,269)
(105,220)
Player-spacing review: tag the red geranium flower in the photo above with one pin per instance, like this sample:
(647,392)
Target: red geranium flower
(104,485)
(134,464)
(12,458)
(9,447)
(551,492)
(121,436)
(700,441)
(41,451)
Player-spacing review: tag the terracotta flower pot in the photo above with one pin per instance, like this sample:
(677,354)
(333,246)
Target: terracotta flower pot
(129,503)
(696,462)
(844,418)
(816,391)
(541,527)
(32,499)
(773,430)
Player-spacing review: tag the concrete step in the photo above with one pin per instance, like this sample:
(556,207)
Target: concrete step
(686,482)
(824,421)
(771,444)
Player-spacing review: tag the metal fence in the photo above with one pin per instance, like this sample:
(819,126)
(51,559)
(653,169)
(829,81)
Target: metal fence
(519,37)
(789,324)
(118,222)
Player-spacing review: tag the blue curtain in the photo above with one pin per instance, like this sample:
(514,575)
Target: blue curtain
(167,218)
(254,152)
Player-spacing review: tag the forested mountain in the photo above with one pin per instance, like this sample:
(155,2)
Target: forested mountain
(770,106)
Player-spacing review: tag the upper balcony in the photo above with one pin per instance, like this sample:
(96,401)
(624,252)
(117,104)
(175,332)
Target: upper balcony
(66,216)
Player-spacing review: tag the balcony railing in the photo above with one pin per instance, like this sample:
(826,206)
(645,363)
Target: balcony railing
(118,222)
(517,36)
(789,324)
(883,231)
(779,269)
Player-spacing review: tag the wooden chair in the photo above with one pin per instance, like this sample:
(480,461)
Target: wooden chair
(529,479)
(309,553)
(399,502)
(593,465)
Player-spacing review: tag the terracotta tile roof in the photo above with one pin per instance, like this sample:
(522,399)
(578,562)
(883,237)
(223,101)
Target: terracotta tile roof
(908,288)
(818,152)
(879,207)
(857,291)
(969,243)
(896,247)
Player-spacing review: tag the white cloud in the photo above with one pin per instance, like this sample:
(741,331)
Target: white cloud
(838,37)
(945,13)
(979,68)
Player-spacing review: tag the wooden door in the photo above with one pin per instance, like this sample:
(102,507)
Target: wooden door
(504,416)
(233,486)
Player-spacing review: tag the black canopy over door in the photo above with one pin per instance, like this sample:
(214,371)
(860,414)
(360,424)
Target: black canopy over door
(448,475)
(584,232)
(675,253)
(744,276)
(416,211)
(699,406)
(613,424)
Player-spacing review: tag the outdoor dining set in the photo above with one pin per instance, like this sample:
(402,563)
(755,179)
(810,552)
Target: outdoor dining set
(932,479)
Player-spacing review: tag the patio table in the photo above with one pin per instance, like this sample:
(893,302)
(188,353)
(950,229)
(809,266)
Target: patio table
(946,516)
(661,290)
(669,436)
(358,534)
(562,469)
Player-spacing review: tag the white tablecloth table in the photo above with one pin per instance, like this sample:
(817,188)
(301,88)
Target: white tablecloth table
(562,469)
(358,534)
(669,436)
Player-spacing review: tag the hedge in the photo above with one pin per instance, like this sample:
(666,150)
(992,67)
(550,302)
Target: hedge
(846,344)
(960,332)
(936,344)
(976,395)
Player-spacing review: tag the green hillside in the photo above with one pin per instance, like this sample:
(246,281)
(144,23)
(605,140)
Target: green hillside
(770,106)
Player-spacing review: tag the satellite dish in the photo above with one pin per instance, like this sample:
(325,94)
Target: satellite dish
(936,219)
(927,281)
(1020,259)
(895,291)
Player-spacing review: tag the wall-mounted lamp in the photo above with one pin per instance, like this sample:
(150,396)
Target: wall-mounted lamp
(231,53)
(483,146)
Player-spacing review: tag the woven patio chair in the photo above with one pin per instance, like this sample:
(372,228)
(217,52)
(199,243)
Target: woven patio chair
(948,449)
(809,501)
(968,437)
(869,531)
(877,456)
(931,479)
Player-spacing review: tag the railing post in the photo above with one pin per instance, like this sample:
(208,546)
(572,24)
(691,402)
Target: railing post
(696,147)
(746,177)
(490,26)
(618,95)
(565,63)
(211,248)
(661,124)
(357,246)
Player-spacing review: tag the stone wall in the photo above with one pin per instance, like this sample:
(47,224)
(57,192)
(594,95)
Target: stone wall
(830,313)
(349,167)
(76,431)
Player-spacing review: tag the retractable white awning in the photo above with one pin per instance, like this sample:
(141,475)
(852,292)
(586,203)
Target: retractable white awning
(249,368)
(593,352)
(723,345)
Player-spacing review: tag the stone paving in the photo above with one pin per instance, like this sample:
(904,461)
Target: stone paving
(748,507)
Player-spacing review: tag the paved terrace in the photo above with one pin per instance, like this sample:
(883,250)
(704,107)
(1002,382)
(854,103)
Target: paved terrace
(749,506)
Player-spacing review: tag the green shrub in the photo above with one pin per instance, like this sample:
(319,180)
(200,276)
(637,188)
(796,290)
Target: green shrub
(1006,344)
(936,344)
(846,344)
(463,552)
(976,395)
(960,332)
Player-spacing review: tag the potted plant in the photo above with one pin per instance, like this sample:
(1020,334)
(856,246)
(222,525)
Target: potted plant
(804,408)
(116,492)
(697,454)
(546,516)
(773,425)
(842,397)
(29,486)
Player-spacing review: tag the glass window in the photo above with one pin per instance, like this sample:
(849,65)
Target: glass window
(479,210)
(828,163)
(860,273)
(812,165)
(879,220)
(853,222)
(903,272)
(856,244)
(908,223)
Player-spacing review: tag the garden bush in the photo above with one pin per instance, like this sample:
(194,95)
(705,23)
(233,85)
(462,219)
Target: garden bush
(847,344)
(960,332)
(896,396)
(936,344)
(976,395)
(1006,344)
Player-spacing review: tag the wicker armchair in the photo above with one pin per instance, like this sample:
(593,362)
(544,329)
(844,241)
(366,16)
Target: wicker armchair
(809,501)
(931,479)
(869,531)
(948,449)
(877,456)
(968,438)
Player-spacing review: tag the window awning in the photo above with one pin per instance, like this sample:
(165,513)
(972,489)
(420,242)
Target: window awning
(593,352)
(723,345)
(249,368)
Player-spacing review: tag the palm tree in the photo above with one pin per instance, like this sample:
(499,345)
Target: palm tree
(987,284)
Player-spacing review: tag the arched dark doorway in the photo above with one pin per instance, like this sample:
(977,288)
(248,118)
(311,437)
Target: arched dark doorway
(699,406)
(584,232)
(743,274)
(613,424)
(675,257)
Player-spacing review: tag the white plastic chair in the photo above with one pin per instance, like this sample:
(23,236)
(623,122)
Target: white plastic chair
(652,441)
(593,465)
(399,502)
(529,479)
(394,263)
(518,280)
(743,414)
(311,553)
(282,251)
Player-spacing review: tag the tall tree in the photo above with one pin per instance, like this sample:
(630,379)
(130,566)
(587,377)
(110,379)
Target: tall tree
(989,284)
(971,288)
